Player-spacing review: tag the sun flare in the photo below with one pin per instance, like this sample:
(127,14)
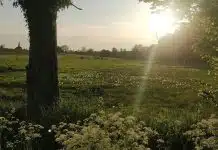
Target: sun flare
(162,23)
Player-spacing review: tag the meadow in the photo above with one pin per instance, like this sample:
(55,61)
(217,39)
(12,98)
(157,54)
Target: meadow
(117,85)
(165,97)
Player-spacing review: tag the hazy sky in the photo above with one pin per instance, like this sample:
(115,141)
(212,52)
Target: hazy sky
(101,24)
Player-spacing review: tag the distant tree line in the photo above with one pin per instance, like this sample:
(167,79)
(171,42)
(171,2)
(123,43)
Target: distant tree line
(171,49)
(168,51)
(4,50)
(137,52)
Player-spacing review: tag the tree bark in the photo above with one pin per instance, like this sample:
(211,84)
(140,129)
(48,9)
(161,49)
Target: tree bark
(42,72)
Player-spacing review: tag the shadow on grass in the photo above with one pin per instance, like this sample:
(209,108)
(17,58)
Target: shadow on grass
(87,91)
(4,69)
(12,85)
(11,98)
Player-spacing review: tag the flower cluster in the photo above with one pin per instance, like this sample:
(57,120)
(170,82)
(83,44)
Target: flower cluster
(108,131)
(101,131)
(204,134)
(17,134)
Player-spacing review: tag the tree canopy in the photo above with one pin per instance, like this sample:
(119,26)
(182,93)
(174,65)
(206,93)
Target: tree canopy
(202,17)
(54,5)
(187,8)
(202,20)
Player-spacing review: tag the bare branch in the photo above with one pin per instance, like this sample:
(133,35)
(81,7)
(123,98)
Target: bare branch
(76,7)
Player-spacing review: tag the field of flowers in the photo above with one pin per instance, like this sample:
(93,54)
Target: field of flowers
(165,97)
(115,82)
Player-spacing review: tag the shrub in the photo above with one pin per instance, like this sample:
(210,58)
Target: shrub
(204,134)
(108,131)
(16,134)
(103,131)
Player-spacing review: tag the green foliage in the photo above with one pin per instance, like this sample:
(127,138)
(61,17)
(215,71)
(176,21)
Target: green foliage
(117,81)
(63,49)
(203,23)
(110,131)
(202,20)
(105,131)
(206,43)
(204,134)
(182,9)
(70,110)
(186,8)
(16,134)
(169,103)
(54,5)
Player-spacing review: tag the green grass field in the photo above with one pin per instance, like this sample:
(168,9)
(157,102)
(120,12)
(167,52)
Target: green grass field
(88,85)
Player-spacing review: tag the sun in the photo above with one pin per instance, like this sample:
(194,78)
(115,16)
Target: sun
(162,23)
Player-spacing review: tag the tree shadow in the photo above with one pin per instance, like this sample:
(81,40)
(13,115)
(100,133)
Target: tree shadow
(11,98)
(4,69)
(87,91)
(12,85)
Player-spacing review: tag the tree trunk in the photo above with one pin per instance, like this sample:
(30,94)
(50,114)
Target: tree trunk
(42,74)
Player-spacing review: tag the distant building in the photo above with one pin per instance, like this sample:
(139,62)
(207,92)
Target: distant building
(18,47)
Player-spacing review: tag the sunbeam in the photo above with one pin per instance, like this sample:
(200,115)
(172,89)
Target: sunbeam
(144,80)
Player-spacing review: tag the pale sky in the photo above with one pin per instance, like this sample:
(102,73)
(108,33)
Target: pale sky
(102,24)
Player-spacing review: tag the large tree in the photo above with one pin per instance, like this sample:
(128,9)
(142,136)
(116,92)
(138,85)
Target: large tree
(202,14)
(42,69)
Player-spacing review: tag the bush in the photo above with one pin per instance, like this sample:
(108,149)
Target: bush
(103,131)
(107,131)
(16,134)
(204,134)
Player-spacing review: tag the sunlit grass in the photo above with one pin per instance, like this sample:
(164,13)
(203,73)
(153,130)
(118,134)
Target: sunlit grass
(145,77)
(147,87)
